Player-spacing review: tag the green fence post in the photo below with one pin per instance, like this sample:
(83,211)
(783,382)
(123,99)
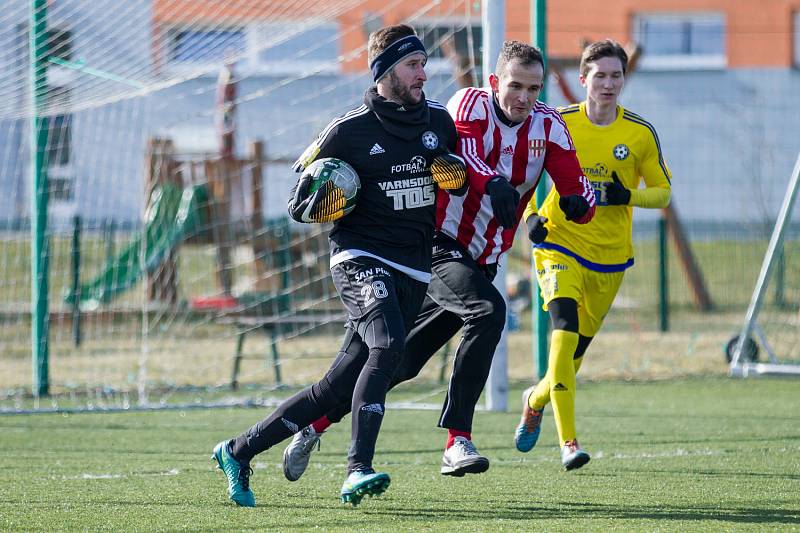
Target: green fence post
(40,254)
(76,280)
(663,281)
(108,237)
(542,323)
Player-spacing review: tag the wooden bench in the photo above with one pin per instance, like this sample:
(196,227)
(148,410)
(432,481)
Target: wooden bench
(273,327)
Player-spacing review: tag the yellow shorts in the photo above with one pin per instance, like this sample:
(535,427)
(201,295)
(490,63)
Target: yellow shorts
(561,276)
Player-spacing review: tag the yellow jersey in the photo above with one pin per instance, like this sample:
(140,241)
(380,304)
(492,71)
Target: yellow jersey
(629,146)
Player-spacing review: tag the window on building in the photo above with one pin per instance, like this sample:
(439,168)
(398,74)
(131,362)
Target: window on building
(62,188)
(285,41)
(681,40)
(275,47)
(58,151)
(59,44)
(59,141)
(59,147)
(59,154)
(205,45)
(463,38)
(442,38)
(796,39)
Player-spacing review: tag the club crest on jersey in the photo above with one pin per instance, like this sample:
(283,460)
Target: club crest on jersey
(621,152)
(430,140)
(537,147)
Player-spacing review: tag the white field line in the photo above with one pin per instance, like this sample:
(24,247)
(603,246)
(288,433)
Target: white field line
(173,472)
(552,455)
(680,452)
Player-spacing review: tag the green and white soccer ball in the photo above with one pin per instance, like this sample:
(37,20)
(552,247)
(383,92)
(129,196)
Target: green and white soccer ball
(343,192)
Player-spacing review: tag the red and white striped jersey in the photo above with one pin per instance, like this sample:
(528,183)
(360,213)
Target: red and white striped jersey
(518,154)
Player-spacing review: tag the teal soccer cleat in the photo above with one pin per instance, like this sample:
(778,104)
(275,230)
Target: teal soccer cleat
(238,476)
(529,426)
(363,483)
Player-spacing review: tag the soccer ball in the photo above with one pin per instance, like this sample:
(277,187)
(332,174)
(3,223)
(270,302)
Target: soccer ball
(342,187)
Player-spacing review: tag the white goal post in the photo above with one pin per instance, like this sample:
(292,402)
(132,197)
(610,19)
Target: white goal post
(741,364)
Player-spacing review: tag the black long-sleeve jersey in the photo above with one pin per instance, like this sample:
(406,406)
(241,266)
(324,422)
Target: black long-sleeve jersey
(391,147)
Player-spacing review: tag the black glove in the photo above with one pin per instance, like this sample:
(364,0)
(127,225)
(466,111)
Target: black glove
(537,232)
(298,196)
(616,193)
(450,173)
(573,206)
(505,200)
(324,205)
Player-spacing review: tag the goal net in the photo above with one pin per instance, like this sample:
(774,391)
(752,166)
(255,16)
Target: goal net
(167,273)
(769,340)
(169,129)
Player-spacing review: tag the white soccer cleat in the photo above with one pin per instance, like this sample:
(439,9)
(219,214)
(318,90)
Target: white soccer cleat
(462,458)
(572,455)
(298,452)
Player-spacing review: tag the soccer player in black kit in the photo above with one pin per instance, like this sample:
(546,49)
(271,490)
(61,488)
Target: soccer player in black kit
(507,139)
(397,142)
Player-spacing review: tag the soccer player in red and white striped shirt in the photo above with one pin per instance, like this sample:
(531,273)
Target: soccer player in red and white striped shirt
(508,140)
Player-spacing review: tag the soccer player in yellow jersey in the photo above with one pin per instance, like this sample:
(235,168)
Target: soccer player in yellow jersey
(580,268)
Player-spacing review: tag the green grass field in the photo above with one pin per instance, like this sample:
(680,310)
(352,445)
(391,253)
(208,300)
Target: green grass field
(693,454)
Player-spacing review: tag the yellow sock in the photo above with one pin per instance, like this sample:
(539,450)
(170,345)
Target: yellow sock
(562,382)
(541,393)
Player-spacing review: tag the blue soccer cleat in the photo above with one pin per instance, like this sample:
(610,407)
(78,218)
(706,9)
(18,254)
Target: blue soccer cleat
(363,483)
(238,475)
(573,456)
(529,426)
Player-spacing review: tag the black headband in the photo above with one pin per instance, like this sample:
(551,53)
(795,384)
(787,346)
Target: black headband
(396,52)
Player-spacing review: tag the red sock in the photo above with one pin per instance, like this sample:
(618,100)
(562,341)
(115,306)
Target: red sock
(453,433)
(321,424)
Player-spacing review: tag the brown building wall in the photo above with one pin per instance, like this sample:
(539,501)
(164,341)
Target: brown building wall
(172,12)
(759,32)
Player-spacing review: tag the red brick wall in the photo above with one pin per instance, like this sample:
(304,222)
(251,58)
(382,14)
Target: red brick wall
(759,32)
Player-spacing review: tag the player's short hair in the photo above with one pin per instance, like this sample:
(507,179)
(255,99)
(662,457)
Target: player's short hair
(525,54)
(381,39)
(601,49)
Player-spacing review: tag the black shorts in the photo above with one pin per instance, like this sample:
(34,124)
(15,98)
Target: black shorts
(369,289)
